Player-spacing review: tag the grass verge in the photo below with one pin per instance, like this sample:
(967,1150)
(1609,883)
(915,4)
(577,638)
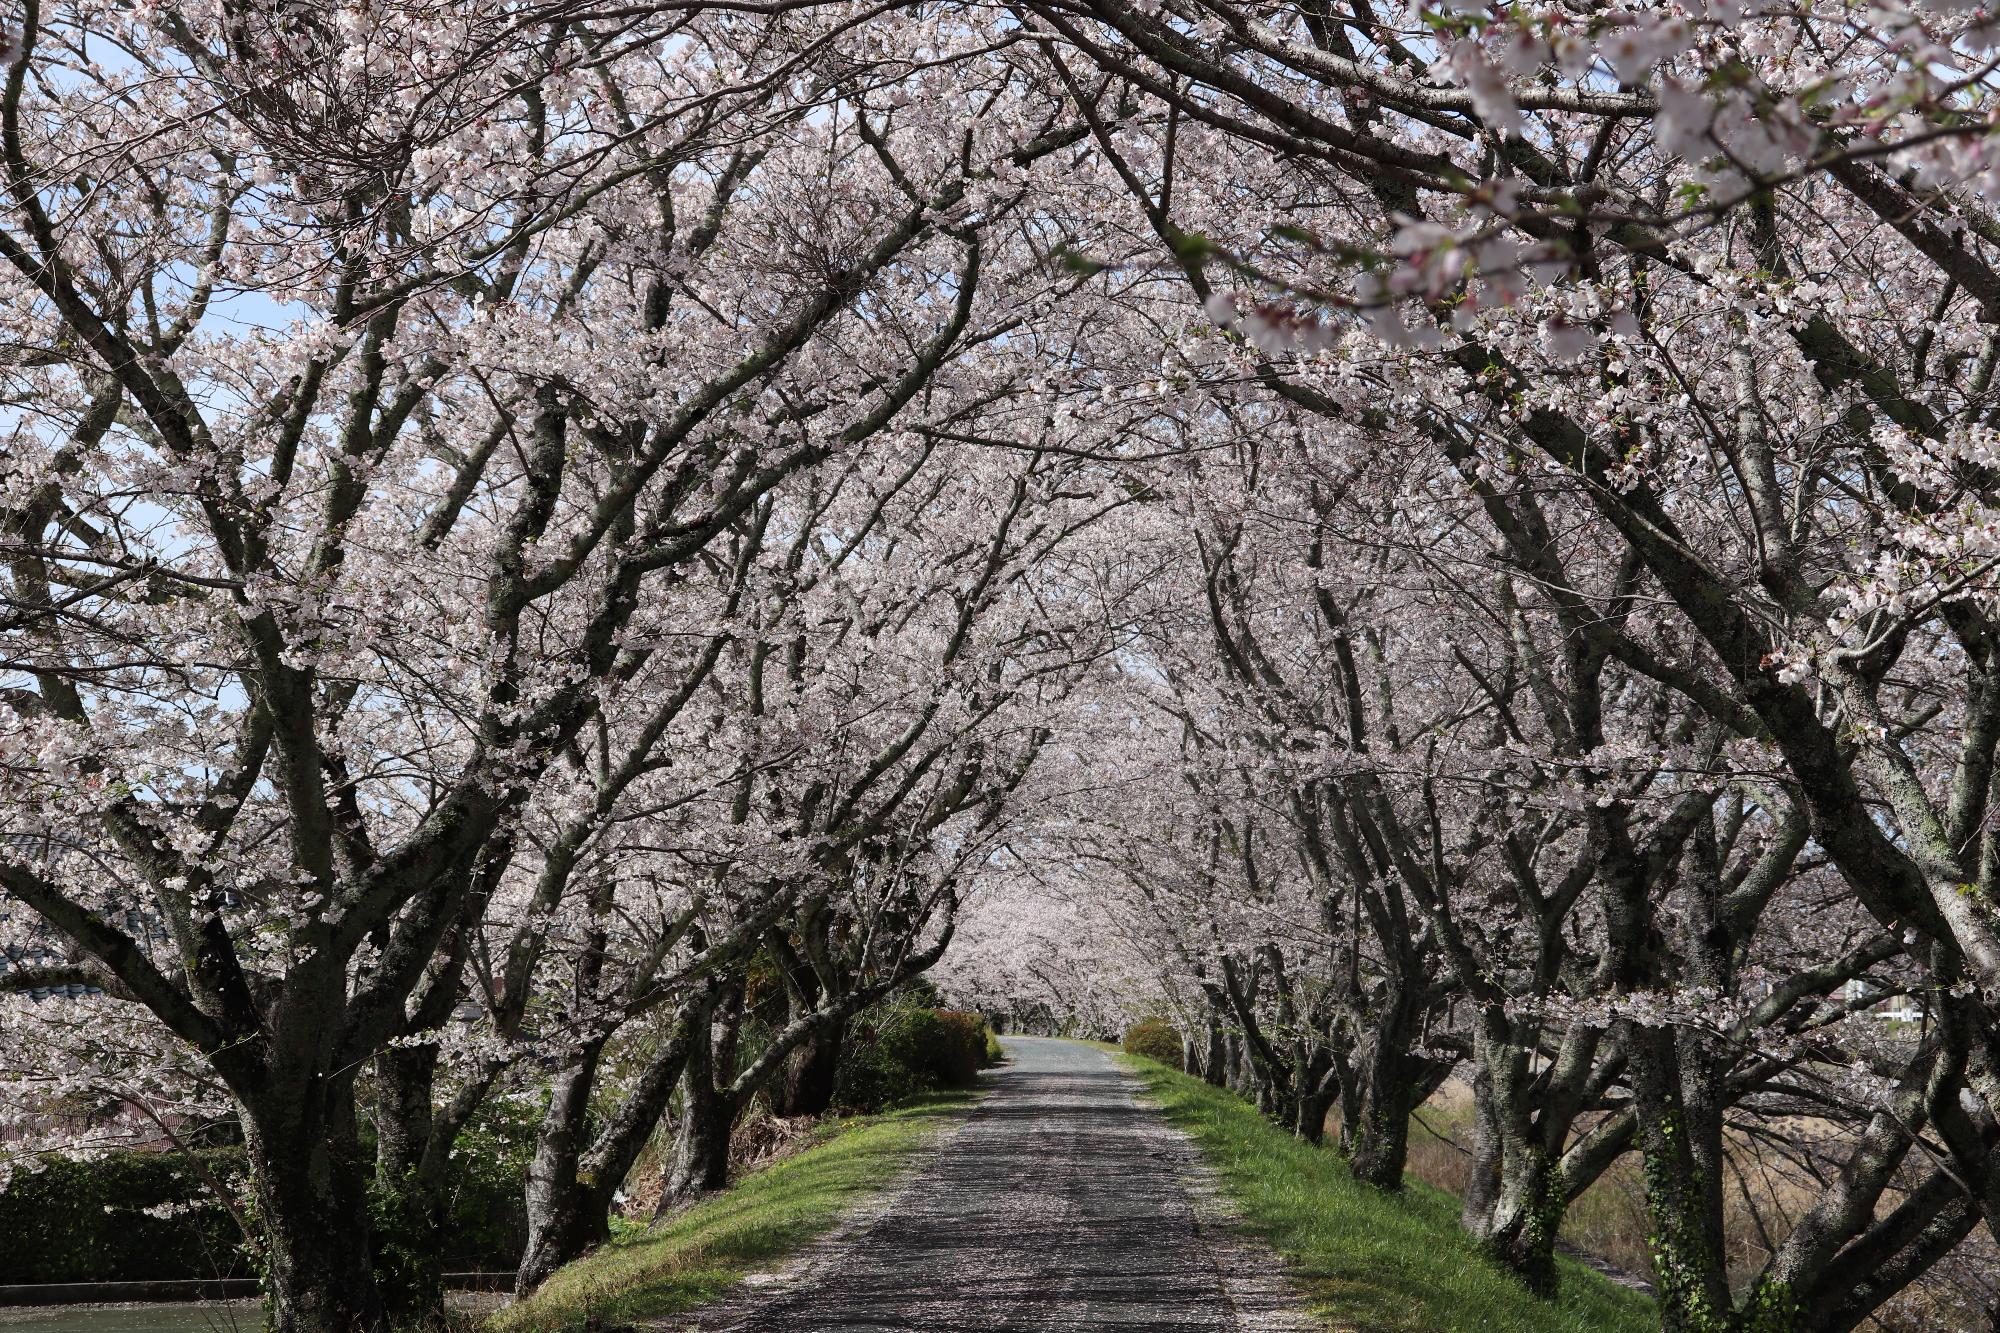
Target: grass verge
(1370,1262)
(699,1255)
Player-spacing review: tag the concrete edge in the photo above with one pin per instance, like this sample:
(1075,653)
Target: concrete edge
(166,1291)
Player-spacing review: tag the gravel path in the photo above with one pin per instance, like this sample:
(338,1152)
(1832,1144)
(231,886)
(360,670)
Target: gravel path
(1059,1203)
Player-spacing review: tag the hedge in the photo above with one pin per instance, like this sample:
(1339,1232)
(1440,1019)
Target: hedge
(1156,1039)
(147,1216)
(127,1217)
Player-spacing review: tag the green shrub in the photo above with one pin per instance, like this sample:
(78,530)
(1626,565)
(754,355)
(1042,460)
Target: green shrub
(995,1053)
(884,1061)
(900,1049)
(487,1217)
(1155,1039)
(963,1053)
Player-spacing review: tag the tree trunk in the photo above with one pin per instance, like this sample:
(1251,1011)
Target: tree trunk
(701,1141)
(1382,1143)
(1527,1212)
(310,1188)
(1529,1163)
(708,1113)
(1312,1113)
(1215,1064)
(571,1187)
(806,1085)
(565,1224)
(1514,1205)
(1682,1203)
(1385,1078)
(1482,1187)
(557,1200)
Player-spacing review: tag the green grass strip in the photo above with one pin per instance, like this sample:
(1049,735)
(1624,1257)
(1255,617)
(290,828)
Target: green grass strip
(1368,1261)
(650,1273)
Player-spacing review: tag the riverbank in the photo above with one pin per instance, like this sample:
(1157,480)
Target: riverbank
(1393,1263)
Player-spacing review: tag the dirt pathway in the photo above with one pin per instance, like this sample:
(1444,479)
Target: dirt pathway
(1059,1203)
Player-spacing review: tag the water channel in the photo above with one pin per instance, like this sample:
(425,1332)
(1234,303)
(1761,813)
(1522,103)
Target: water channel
(180,1317)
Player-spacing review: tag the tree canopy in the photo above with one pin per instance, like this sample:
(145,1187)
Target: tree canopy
(559,551)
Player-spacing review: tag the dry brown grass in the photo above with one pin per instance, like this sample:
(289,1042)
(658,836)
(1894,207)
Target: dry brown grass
(1764,1193)
(759,1140)
(1610,1219)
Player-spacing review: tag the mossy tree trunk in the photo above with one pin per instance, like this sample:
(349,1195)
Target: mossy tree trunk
(574,1178)
(710,1101)
(309,1184)
(811,1072)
